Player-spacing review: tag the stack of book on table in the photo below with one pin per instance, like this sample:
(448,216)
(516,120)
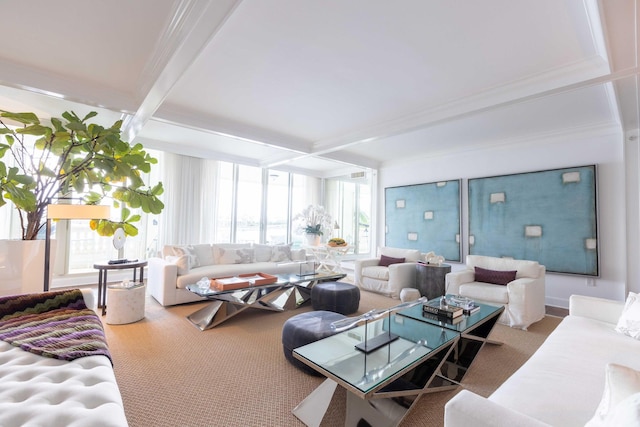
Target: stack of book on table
(442,310)
(450,309)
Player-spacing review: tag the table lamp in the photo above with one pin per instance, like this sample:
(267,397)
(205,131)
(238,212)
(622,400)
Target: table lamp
(68,211)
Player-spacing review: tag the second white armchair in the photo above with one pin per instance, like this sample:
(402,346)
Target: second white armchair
(373,275)
(487,279)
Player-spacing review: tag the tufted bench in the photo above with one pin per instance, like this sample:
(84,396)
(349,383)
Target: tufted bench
(304,329)
(340,297)
(43,391)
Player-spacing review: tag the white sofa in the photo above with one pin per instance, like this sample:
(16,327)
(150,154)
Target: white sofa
(183,265)
(563,382)
(388,280)
(522,298)
(42,391)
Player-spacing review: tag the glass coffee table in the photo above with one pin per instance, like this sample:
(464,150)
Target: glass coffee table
(383,385)
(290,291)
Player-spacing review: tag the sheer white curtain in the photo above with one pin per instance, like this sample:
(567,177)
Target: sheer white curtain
(189,198)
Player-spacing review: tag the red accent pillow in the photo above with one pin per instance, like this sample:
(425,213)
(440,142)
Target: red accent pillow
(495,277)
(386,261)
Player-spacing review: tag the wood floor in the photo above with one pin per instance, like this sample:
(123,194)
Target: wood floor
(556,311)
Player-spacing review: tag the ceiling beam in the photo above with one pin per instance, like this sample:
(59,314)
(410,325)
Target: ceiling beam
(194,24)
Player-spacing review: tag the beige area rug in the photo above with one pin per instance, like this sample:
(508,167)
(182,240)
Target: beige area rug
(172,374)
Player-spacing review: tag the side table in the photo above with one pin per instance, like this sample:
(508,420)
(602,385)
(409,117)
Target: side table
(430,279)
(102,278)
(126,304)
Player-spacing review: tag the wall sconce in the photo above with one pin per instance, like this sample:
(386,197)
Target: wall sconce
(67,211)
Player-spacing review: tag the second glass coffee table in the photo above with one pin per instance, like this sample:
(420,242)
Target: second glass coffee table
(474,333)
(290,291)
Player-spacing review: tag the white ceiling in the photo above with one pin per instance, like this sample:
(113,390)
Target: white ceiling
(322,87)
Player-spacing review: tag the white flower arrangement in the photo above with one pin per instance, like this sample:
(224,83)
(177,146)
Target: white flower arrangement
(313,220)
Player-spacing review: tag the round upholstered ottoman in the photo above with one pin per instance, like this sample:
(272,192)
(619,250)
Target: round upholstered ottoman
(304,329)
(340,297)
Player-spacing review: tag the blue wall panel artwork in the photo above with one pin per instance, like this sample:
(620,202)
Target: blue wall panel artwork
(424,217)
(547,216)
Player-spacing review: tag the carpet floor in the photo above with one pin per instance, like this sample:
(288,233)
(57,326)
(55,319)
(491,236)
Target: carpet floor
(172,374)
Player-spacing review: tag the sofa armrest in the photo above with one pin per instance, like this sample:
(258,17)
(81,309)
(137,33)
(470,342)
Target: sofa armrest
(469,409)
(526,301)
(162,279)
(454,279)
(401,275)
(604,310)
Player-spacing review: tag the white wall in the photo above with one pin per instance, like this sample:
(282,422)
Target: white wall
(605,150)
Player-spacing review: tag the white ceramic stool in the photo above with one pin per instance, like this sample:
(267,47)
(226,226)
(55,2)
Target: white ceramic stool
(125,305)
(409,294)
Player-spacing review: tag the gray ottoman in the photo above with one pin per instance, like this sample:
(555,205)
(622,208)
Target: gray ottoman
(340,297)
(304,329)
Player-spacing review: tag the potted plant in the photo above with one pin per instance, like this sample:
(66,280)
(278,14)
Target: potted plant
(312,221)
(42,162)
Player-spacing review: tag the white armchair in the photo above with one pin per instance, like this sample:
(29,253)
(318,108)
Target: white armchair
(523,298)
(388,280)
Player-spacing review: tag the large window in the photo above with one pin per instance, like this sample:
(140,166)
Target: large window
(249,206)
(277,207)
(213,201)
(349,202)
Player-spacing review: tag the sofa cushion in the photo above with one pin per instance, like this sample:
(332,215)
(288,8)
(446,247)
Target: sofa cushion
(386,261)
(376,272)
(627,413)
(262,253)
(180,250)
(281,253)
(235,256)
(219,248)
(481,291)
(204,252)
(497,277)
(410,255)
(629,322)
(182,262)
(621,383)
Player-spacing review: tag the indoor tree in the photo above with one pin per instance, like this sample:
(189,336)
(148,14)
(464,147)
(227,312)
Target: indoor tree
(54,159)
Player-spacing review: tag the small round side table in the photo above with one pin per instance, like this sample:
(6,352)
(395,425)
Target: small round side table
(102,277)
(126,304)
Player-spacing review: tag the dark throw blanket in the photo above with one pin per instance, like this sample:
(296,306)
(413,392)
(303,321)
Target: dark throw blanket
(52,324)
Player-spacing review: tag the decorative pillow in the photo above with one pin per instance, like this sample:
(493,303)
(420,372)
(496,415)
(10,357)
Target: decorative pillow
(386,261)
(190,252)
(626,413)
(262,253)
(235,256)
(298,255)
(621,382)
(494,276)
(629,321)
(181,261)
(281,253)
(204,252)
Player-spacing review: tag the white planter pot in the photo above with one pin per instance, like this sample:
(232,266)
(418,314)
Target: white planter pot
(313,239)
(22,266)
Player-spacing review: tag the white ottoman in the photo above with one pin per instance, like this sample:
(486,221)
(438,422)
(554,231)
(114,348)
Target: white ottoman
(409,294)
(125,305)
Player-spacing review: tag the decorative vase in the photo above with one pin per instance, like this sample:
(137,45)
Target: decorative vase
(313,239)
